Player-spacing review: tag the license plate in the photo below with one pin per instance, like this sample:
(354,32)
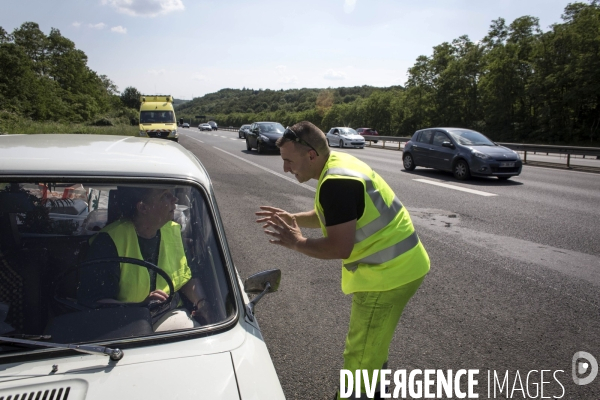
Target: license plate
(507,164)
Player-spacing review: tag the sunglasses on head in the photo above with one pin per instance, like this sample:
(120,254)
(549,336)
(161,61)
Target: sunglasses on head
(291,135)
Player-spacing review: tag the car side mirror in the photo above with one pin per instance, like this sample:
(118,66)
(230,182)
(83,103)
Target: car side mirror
(258,282)
(261,283)
(448,144)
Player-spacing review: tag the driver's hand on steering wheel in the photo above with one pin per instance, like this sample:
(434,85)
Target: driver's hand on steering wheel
(157,295)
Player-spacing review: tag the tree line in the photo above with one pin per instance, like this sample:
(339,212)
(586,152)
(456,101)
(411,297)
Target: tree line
(46,78)
(517,84)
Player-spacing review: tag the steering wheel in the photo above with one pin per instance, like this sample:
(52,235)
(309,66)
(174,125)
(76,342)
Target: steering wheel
(80,307)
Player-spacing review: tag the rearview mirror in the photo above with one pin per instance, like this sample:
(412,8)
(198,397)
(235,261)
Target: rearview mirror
(448,144)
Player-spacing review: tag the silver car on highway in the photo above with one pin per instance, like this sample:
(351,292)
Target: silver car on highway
(345,137)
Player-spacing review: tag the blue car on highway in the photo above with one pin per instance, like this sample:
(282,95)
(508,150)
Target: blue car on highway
(464,152)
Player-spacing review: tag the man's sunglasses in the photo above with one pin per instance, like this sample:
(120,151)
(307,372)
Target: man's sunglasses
(291,135)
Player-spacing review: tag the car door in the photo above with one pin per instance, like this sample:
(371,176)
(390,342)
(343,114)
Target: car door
(441,157)
(335,138)
(422,148)
(253,135)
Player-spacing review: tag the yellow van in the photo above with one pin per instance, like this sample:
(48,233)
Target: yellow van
(157,117)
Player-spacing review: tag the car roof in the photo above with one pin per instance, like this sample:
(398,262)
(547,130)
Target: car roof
(98,156)
(341,127)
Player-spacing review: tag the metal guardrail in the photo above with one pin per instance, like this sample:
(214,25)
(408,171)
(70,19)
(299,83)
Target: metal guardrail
(534,148)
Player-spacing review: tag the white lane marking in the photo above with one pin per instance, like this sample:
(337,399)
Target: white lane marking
(197,140)
(462,189)
(312,189)
(224,137)
(232,138)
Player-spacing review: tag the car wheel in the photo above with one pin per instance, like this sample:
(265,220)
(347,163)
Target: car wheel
(248,147)
(260,148)
(341,144)
(503,178)
(461,170)
(328,144)
(409,163)
(240,134)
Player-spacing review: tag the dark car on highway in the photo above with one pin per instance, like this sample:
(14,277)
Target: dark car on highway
(243,130)
(463,152)
(213,125)
(263,135)
(368,131)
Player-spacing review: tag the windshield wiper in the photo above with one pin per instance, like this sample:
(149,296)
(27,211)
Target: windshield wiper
(114,354)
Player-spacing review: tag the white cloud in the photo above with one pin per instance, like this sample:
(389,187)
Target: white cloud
(118,29)
(145,8)
(283,77)
(349,6)
(76,24)
(156,71)
(334,75)
(99,25)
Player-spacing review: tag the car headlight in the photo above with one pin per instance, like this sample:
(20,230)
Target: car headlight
(174,133)
(143,133)
(263,138)
(481,155)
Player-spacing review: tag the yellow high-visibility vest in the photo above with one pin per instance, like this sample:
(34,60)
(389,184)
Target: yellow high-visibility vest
(387,252)
(134,284)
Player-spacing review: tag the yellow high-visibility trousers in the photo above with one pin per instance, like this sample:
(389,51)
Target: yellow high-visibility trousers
(373,321)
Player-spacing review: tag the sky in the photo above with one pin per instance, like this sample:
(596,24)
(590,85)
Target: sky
(188,48)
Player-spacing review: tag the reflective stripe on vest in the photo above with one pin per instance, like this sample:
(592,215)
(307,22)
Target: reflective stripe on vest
(387,254)
(386,214)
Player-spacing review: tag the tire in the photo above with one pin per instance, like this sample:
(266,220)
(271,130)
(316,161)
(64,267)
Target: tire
(375,141)
(341,144)
(328,144)
(461,170)
(504,178)
(260,148)
(240,135)
(248,147)
(409,163)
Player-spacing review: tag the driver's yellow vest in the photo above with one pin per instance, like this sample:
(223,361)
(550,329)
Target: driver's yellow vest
(387,252)
(134,284)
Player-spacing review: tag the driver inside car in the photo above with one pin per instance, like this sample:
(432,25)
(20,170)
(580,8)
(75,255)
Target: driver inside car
(146,231)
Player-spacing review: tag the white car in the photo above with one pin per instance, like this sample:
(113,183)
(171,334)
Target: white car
(345,137)
(56,193)
(205,127)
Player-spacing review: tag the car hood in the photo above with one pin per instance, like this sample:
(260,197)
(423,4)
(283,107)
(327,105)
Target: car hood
(218,367)
(272,135)
(352,137)
(497,152)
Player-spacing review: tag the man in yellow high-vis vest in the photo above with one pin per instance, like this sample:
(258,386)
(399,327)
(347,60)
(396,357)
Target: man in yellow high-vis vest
(366,226)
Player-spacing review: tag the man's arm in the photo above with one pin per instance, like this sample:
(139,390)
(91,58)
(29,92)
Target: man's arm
(337,245)
(307,219)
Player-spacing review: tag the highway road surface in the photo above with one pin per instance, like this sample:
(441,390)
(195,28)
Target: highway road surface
(514,283)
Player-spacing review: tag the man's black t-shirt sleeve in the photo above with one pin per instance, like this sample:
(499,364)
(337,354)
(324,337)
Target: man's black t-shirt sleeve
(342,200)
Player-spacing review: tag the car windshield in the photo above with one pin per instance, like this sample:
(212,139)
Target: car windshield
(60,275)
(347,131)
(273,127)
(470,138)
(149,117)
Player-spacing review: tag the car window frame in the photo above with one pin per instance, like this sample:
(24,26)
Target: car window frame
(438,132)
(428,131)
(224,253)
